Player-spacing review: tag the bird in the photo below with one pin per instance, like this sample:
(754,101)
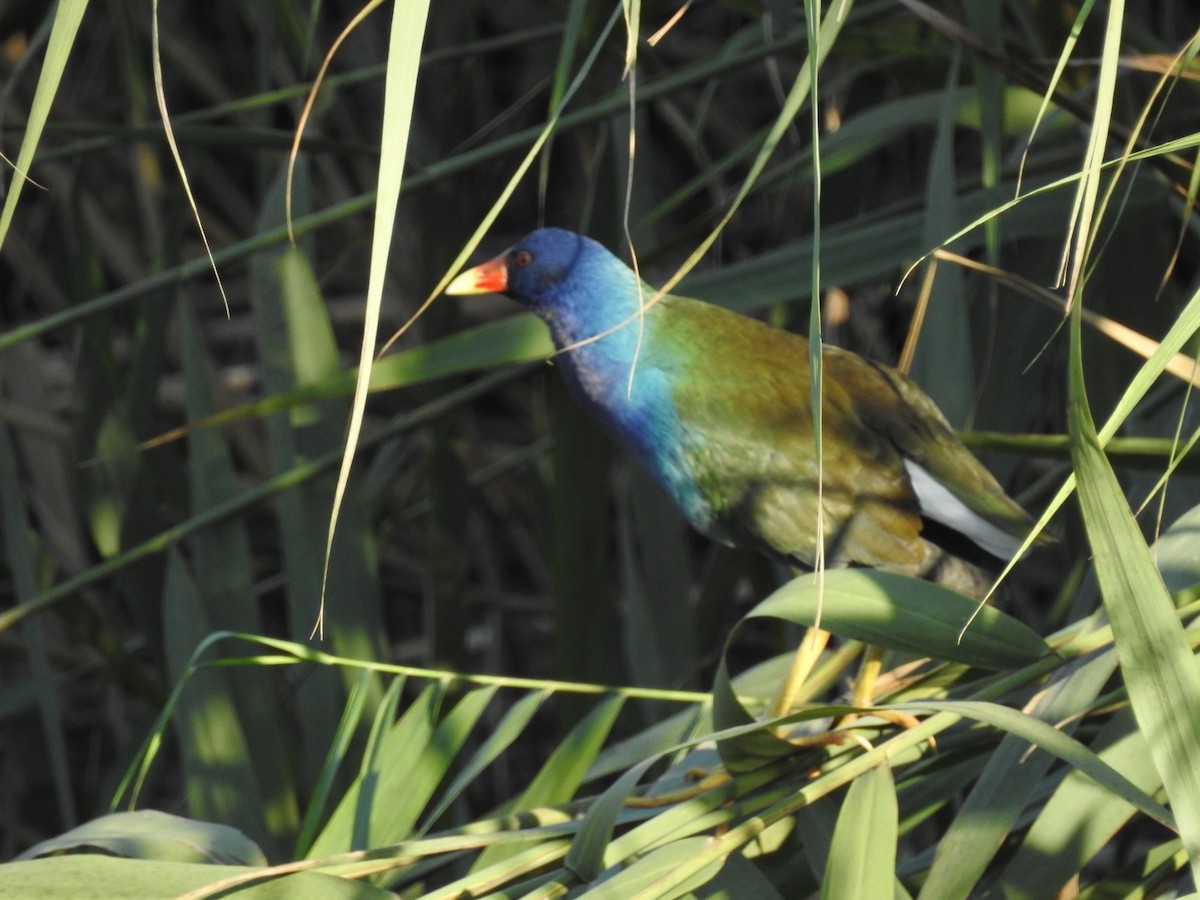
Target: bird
(716,406)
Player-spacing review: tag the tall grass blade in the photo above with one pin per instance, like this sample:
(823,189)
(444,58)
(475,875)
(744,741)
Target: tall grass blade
(67,16)
(1158,665)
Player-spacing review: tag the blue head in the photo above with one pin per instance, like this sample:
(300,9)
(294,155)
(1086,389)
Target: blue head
(581,291)
(571,282)
(545,266)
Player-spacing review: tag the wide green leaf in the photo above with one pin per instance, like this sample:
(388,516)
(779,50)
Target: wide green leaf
(862,858)
(907,615)
(150,834)
(89,875)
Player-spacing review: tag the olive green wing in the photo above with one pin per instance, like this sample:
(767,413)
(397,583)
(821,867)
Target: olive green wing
(745,413)
(892,405)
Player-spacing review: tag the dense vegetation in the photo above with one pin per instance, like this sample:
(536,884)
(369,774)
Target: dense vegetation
(520,634)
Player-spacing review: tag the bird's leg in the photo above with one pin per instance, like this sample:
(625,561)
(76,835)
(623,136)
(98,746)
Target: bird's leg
(803,661)
(868,673)
(863,695)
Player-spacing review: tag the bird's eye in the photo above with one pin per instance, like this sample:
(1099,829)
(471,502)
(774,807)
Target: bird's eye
(522,258)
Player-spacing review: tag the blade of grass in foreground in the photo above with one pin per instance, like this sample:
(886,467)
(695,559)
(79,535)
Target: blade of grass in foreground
(62,37)
(404,55)
(1158,666)
(862,860)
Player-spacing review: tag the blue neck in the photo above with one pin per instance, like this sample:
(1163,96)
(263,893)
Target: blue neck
(640,414)
(600,293)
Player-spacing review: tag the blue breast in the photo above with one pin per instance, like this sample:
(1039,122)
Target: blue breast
(641,415)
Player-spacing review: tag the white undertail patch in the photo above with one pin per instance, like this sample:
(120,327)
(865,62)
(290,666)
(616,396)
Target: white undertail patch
(939,504)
